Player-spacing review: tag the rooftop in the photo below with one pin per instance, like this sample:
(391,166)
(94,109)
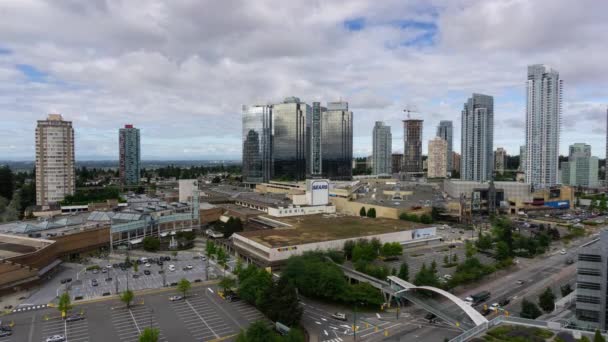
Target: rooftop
(12,246)
(317,228)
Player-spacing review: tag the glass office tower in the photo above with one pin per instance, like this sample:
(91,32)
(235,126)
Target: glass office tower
(291,122)
(257,143)
(337,141)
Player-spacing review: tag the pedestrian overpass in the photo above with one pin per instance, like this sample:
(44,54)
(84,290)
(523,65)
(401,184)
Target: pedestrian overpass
(436,301)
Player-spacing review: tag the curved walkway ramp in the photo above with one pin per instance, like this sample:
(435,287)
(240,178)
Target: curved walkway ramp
(445,306)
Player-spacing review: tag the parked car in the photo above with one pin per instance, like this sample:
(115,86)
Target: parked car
(74,318)
(339,315)
(175,298)
(94,282)
(147,264)
(55,338)
(562,252)
(108,266)
(147,272)
(108,279)
(135,275)
(5,333)
(95,271)
(104,270)
(520,282)
(189,267)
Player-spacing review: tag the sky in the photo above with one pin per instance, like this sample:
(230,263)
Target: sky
(180,70)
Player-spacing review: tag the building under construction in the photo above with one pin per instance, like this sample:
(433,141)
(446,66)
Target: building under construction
(412,146)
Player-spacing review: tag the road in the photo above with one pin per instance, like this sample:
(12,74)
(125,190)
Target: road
(537,274)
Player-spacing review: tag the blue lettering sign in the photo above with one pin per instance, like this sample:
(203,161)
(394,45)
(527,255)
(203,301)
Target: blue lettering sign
(320,187)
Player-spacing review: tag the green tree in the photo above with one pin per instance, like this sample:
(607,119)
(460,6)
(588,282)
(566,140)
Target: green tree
(603,205)
(174,254)
(252,282)
(426,277)
(362,212)
(184,286)
(502,250)
(484,242)
(294,335)
(426,219)
(584,339)
(135,267)
(546,300)
(371,213)
(222,259)
(258,331)
(127,297)
(391,249)
(404,271)
(455,258)
(151,244)
(598,337)
(279,302)
(227,283)
(7,182)
(149,334)
(210,248)
(64,305)
(366,294)
(446,259)
(470,249)
(565,289)
(348,249)
(529,310)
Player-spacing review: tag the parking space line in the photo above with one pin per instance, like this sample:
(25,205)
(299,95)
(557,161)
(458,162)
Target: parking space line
(202,319)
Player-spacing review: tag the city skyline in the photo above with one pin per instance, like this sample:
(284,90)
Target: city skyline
(183,85)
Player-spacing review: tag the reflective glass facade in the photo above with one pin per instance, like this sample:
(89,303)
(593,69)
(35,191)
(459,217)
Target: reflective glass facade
(129,155)
(477,139)
(257,144)
(315,139)
(412,146)
(291,121)
(337,141)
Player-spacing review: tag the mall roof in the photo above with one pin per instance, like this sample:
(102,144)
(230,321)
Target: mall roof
(318,228)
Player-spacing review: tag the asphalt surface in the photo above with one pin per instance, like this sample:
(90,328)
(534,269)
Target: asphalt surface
(202,316)
(372,326)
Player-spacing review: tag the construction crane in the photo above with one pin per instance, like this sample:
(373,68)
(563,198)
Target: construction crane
(408,111)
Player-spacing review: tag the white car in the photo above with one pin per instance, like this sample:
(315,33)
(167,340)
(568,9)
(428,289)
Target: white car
(494,306)
(189,267)
(562,252)
(447,277)
(108,266)
(147,264)
(55,338)
(339,315)
(175,298)
(171,267)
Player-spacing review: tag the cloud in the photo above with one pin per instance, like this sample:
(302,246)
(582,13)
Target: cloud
(181,70)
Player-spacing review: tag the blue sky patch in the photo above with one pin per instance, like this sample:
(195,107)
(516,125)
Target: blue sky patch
(5,51)
(32,73)
(356,24)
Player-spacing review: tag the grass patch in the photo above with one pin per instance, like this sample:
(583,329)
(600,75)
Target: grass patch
(509,333)
(93,267)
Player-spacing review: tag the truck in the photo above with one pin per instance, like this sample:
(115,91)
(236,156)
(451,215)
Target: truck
(478,297)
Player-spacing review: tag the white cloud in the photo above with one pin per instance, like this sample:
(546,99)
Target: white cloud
(181,70)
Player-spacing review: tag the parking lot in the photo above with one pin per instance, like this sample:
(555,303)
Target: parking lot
(202,316)
(112,280)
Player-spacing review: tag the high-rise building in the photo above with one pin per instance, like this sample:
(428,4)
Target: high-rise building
(522,158)
(543,116)
(55,176)
(500,160)
(129,155)
(315,139)
(581,169)
(257,143)
(336,141)
(412,146)
(591,284)
(437,161)
(291,121)
(456,161)
(382,141)
(445,131)
(606,165)
(477,139)
(397,162)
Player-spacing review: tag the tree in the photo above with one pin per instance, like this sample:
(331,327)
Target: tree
(584,339)
(391,249)
(174,253)
(529,310)
(434,266)
(127,297)
(149,334)
(222,258)
(603,205)
(547,300)
(446,259)
(151,244)
(348,249)
(371,213)
(7,182)
(258,331)
(455,258)
(502,250)
(426,277)
(184,286)
(470,249)
(404,271)
(135,267)
(227,283)
(362,212)
(426,218)
(484,242)
(64,305)
(279,302)
(210,248)
(598,337)
(565,289)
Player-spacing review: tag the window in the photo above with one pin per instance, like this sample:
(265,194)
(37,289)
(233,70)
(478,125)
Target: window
(587,315)
(588,271)
(588,286)
(590,257)
(587,299)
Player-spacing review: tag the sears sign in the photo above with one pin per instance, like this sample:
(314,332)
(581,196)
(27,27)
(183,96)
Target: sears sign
(317,191)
